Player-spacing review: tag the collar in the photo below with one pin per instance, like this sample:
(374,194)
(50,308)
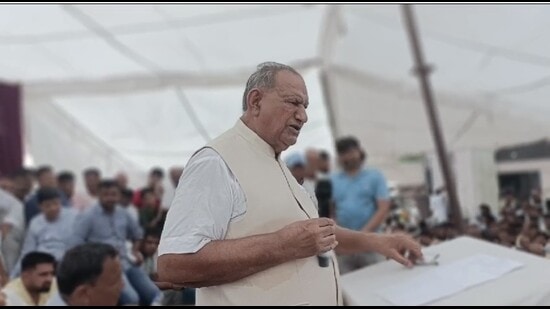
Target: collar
(253,138)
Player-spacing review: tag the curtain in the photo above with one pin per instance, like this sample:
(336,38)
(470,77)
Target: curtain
(11,148)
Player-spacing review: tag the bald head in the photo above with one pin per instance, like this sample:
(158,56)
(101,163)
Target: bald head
(122,180)
(312,159)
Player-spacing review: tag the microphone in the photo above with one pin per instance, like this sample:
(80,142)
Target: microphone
(324,259)
(323,192)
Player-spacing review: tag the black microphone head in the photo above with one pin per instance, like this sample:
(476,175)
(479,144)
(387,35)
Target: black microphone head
(323,259)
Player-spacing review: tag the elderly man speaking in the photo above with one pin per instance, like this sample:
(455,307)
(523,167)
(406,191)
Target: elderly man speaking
(242,230)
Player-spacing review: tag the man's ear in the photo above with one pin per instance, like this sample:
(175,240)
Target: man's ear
(24,275)
(82,294)
(253,101)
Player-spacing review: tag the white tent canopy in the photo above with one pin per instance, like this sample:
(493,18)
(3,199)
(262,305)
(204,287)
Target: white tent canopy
(134,86)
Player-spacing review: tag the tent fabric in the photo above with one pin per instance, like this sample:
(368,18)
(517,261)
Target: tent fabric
(135,86)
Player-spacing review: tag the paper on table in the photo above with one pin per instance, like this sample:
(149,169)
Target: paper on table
(447,280)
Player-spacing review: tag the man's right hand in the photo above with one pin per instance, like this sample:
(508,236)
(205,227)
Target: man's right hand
(308,237)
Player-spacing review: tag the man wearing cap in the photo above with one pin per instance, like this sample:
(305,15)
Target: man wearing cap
(296,163)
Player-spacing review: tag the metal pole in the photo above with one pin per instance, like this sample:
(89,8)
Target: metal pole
(423,71)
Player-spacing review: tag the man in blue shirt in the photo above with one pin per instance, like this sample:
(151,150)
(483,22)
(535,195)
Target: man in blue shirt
(48,232)
(110,224)
(361,198)
(46,179)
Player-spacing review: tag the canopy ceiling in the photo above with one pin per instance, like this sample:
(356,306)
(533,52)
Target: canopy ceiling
(135,86)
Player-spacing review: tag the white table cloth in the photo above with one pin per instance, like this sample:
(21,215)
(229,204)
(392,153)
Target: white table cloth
(529,285)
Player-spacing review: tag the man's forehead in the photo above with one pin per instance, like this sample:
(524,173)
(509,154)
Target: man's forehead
(292,90)
(44,267)
(290,80)
(110,266)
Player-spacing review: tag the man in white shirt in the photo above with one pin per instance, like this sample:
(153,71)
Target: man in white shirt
(126,203)
(36,284)
(296,163)
(84,200)
(438,207)
(12,225)
(175,175)
(312,169)
(241,229)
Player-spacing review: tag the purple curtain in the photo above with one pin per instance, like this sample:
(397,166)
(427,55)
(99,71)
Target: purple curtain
(11,146)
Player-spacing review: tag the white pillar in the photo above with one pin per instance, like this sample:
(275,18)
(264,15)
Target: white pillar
(476,177)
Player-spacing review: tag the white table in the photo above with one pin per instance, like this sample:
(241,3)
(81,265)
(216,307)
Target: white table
(529,285)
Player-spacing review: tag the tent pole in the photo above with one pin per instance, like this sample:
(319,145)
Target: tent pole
(327,41)
(422,71)
(329,103)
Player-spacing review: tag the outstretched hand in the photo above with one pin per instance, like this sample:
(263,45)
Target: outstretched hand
(399,247)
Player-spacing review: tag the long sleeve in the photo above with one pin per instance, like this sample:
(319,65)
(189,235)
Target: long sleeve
(30,244)
(81,228)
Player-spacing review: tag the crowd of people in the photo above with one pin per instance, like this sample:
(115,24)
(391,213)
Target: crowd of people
(101,246)
(522,224)
(43,217)
(518,223)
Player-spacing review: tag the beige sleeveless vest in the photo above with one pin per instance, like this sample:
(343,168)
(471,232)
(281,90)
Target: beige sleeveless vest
(273,199)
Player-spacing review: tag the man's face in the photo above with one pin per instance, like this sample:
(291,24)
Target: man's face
(155,180)
(51,209)
(47,180)
(312,159)
(23,185)
(281,111)
(67,187)
(299,172)
(125,200)
(40,278)
(149,200)
(324,166)
(122,180)
(109,197)
(351,159)
(175,175)
(106,290)
(150,245)
(6,184)
(92,181)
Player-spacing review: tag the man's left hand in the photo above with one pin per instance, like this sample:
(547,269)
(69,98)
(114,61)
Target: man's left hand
(399,247)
